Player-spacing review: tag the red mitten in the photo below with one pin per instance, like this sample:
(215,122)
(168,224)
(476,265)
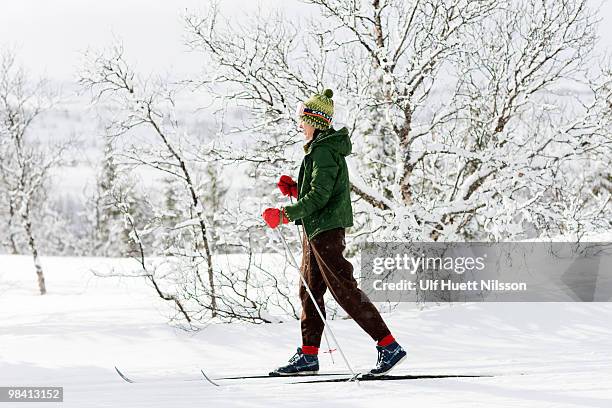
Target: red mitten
(287,186)
(272,216)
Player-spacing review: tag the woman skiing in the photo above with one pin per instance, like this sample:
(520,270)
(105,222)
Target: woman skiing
(324,209)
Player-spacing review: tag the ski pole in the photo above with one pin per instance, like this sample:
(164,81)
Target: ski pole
(329,349)
(314,301)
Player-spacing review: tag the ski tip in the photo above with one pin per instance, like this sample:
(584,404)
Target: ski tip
(126,379)
(208,379)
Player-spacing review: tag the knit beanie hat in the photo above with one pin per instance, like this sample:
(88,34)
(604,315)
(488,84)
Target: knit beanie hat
(318,110)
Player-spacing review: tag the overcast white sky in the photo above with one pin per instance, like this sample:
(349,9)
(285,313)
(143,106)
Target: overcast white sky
(51,35)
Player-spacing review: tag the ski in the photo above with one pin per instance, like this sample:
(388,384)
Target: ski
(335,377)
(366,377)
(131,380)
(260,376)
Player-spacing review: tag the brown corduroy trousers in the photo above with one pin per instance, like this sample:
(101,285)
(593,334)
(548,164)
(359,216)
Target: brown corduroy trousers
(324,267)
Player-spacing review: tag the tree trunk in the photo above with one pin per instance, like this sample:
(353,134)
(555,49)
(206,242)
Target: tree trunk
(13,243)
(27,224)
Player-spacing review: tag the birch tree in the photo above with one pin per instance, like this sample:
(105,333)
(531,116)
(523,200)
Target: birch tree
(24,163)
(457,130)
(187,219)
(144,105)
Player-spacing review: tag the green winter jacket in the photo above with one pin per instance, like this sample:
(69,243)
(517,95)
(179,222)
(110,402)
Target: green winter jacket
(324,193)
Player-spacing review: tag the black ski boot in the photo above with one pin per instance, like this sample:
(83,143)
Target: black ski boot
(388,357)
(299,364)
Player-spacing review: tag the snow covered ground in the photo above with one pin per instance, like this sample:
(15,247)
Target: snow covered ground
(539,354)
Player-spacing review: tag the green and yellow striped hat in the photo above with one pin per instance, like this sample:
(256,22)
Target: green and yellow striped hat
(318,110)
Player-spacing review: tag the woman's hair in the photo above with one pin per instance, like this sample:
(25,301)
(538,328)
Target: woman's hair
(316,133)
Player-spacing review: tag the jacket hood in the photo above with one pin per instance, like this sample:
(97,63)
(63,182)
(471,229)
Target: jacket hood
(337,140)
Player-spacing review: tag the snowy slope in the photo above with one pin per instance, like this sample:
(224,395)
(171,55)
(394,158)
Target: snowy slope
(541,354)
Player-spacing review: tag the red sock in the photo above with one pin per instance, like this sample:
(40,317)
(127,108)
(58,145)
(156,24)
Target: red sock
(385,341)
(310,350)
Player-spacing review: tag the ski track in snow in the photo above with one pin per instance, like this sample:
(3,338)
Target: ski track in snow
(540,354)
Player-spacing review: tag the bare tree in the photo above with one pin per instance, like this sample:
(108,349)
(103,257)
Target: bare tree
(24,164)
(110,76)
(452,106)
(187,222)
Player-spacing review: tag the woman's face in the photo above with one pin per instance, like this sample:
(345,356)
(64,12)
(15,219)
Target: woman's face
(308,131)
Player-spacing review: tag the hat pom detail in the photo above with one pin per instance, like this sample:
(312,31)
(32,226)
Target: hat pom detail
(328,93)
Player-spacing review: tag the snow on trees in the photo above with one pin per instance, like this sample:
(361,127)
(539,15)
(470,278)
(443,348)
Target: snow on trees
(468,117)
(25,164)
(187,222)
